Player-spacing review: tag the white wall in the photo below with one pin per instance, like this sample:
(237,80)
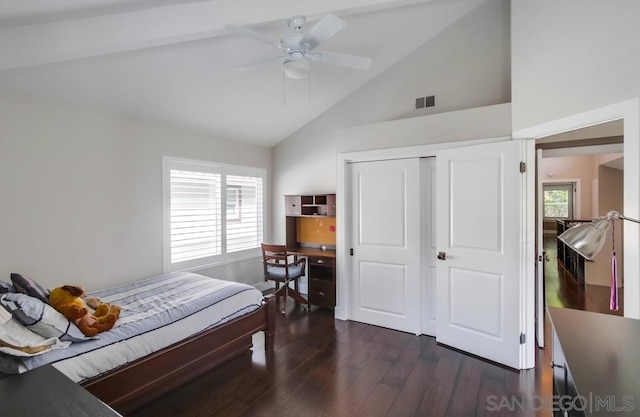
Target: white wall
(80,191)
(570,169)
(610,197)
(466,66)
(570,56)
(573,62)
(455,126)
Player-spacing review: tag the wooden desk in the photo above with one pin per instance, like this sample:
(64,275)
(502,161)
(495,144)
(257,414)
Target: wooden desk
(303,251)
(321,275)
(596,357)
(45,391)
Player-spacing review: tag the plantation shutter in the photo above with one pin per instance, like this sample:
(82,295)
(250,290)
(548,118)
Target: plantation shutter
(195,218)
(244,224)
(212,213)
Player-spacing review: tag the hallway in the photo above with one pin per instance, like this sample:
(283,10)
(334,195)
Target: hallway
(562,290)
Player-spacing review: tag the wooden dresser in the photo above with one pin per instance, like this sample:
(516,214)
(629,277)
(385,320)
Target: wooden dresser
(45,391)
(596,364)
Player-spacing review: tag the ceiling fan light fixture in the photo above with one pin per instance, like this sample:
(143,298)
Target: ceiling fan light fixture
(296,69)
(299,49)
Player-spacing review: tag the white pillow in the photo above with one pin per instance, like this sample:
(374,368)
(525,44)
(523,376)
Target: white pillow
(4,315)
(41,318)
(13,333)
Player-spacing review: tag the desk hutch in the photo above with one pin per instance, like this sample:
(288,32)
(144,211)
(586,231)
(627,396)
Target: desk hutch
(310,232)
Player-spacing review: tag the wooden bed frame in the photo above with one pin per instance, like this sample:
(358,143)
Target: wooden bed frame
(137,383)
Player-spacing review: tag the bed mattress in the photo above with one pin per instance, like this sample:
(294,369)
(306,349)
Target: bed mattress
(156,313)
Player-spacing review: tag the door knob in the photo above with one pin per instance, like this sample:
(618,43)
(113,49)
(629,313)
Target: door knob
(442,256)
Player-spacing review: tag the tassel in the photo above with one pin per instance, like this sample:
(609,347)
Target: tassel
(613,302)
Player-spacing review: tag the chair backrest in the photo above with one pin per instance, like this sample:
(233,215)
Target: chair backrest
(274,256)
(274,252)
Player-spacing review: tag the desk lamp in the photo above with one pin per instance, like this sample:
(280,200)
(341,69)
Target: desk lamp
(588,239)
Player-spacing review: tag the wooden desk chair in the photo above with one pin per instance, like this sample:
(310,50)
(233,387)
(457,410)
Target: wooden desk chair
(279,268)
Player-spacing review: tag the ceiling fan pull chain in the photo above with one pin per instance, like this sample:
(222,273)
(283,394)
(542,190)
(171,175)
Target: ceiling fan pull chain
(309,84)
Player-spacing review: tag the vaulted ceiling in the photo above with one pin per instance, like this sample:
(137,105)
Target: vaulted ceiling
(173,61)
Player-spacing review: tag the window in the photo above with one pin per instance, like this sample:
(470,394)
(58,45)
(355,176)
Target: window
(558,200)
(212,213)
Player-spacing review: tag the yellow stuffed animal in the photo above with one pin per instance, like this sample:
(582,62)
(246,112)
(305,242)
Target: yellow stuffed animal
(69,301)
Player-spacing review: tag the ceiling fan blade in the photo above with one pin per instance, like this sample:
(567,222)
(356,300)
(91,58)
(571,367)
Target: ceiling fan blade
(328,26)
(342,60)
(253,34)
(259,64)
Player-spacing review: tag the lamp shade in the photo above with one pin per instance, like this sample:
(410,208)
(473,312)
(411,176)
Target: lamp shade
(587,239)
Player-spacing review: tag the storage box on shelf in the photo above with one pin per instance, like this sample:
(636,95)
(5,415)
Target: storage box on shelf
(310,205)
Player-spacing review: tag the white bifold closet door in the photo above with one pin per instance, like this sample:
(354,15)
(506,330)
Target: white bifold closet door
(385,277)
(478,237)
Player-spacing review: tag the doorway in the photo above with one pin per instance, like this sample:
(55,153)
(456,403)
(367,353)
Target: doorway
(628,113)
(600,175)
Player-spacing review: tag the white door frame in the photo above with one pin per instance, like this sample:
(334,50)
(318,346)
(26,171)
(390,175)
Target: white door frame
(629,112)
(428,248)
(541,258)
(343,236)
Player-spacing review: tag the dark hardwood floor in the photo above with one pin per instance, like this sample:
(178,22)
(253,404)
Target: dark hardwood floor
(327,367)
(562,290)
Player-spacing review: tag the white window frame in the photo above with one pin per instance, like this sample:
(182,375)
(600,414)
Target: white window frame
(169,163)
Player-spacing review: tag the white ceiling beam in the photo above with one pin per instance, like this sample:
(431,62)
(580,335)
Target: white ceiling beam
(23,46)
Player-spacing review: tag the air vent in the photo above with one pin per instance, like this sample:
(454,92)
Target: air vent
(430,101)
(422,102)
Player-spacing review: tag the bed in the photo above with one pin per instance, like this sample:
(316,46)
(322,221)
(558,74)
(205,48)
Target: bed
(172,328)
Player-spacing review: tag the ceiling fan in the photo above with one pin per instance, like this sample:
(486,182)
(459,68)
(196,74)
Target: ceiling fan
(298,49)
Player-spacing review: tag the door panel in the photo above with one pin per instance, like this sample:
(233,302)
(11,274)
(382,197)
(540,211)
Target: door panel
(478,282)
(385,283)
(483,203)
(486,290)
(380,223)
(383,288)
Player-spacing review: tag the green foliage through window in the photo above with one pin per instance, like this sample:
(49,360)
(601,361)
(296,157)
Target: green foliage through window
(558,200)
(556,203)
